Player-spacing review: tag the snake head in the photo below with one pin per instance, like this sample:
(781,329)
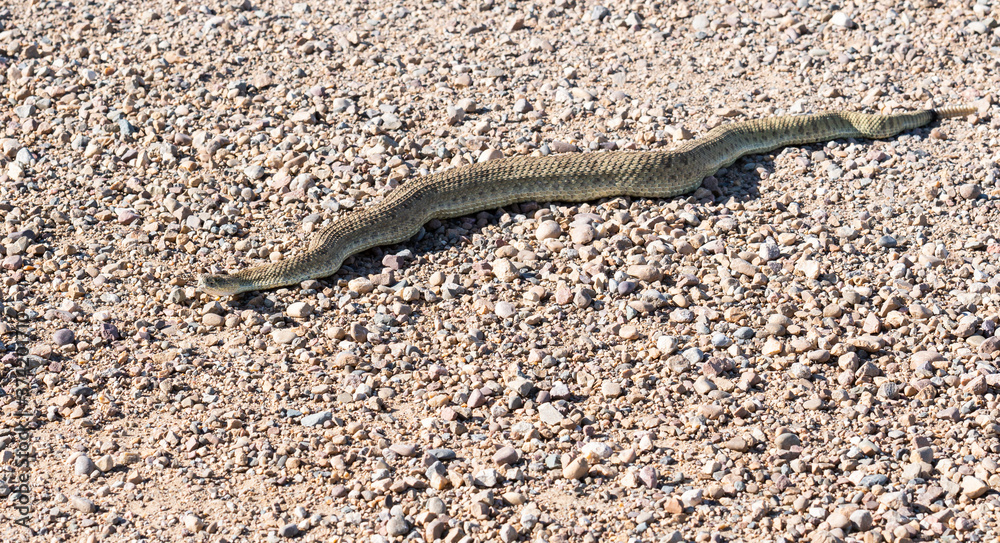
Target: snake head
(218,285)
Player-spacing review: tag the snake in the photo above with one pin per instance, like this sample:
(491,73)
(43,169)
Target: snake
(566,177)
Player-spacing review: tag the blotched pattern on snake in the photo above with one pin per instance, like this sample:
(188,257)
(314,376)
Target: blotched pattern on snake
(566,178)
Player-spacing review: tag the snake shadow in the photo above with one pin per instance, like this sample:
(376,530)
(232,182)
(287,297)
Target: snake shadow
(733,183)
(438,236)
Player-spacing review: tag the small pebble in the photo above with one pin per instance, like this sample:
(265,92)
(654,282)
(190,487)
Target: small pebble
(299,310)
(288,530)
(576,469)
(63,336)
(83,465)
(397,526)
(505,455)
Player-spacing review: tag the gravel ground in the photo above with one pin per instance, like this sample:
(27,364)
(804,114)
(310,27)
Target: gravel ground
(803,350)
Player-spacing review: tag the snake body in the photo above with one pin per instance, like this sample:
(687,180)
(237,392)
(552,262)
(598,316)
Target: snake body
(568,178)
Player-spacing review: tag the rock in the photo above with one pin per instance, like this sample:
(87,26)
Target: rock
(721,341)
(63,336)
(786,441)
(83,465)
(488,478)
(490,154)
(970,191)
(468,105)
(299,310)
(667,344)
(25,111)
(212,320)
(504,310)
(977,386)
(673,506)
(915,470)
(973,487)
(922,357)
(800,371)
(842,20)
(505,271)
(522,106)
(193,523)
(454,115)
(358,333)
(254,172)
(769,252)
(596,451)
(393,262)
(611,389)
(977,27)
(737,444)
(437,506)
(887,242)
(963,524)
(649,476)
(809,268)
(682,315)
(838,520)
(548,230)
(442,454)
(990,346)
(869,481)
(521,386)
(862,520)
(397,526)
(703,385)
(82,505)
(476,399)
(316,418)
(560,391)
(813,404)
(558,146)
(10,147)
(693,497)
(514,498)
(508,534)
(645,272)
(742,267)
(599,13)
(505,456)
(868,343)
(548,414)
(12,262)
(284,336)
(288,530)
(576,469)
(105,463)
(341,105)
(868,448)
(949,413)
(693,355)
(514,24)
(407,450)
(361,285)
(700,22)
(582,234)
(434,530)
